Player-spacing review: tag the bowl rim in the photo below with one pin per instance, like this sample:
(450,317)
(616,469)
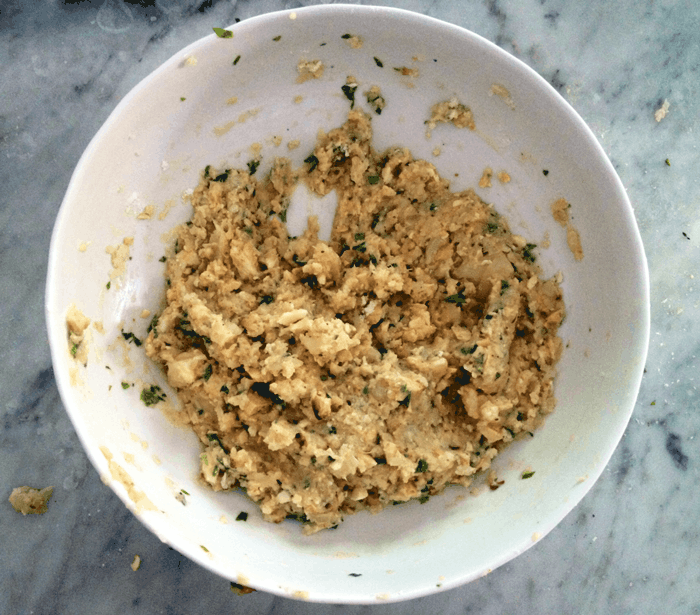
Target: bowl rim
(313,12)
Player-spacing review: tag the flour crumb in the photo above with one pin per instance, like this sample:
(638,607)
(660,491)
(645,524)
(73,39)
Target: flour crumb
(298,99)
(136,564)
(309,69)
(451,112)
(29,501)
(232,101)
(147,213)
(293,144)
(503,177)
(503,94)
(485,181)
(662,111)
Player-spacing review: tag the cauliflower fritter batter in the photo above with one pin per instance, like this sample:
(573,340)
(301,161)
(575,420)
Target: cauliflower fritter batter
(328,377)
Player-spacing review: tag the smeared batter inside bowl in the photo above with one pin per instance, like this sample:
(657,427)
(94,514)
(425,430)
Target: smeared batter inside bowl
(399,357)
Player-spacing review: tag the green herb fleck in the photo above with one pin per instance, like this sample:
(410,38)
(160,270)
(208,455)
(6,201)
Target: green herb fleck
(313,161)
(235,61)
(267,299)
(373,179)
(359,236)
(423,499)
(182,99)
(653,403)
(223,176)
(422,466)
(527,252)
(221,33)
(183,491)
(204,548)
(491,227)
(125,385)
(545,172)
(153,326)
(224,390)
(162,259)
(248,230)
(365,391)
(526,475)
(349,91)
(378,62)
(152,395)
(74,349)
(457,299)
(130,337)
(253,166)
(346,36)
(242,516)
(332,430)
(207,372)
(109,285)
(283,215)
(668,162)
(504,286)
(206,170)
(277,38)
(204,459)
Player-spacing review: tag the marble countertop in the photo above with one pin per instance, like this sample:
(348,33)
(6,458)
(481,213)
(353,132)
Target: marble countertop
(631,546)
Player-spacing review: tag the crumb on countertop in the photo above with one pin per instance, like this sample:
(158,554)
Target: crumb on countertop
(30,501)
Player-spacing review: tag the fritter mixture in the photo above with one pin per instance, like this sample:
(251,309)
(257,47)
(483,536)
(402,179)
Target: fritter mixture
(325,378)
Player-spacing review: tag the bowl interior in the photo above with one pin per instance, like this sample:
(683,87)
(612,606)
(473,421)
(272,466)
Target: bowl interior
(184,117)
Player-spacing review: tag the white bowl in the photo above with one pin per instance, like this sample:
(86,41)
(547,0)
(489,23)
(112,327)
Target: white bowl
(177,120)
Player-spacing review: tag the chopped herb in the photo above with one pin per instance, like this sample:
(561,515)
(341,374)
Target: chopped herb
(324,378)
(162,259)
(74,349)
(182,99)
(130,337)
(224,390)
(125,385)
(355,574)
(109,285)
(378,62)
(653,403)
(527,252)
(685,235)
(204,548)
(313,161)
(373,179)
(545,172)
(152,395)
(207,372)
(223,177)
(267,299)
(206,170)
(253,166)
(457,299)
(423,499)
(498,375)
(668,162)
(406,402)
(332,430)
(422,466)
(360,247)
(359,236)
(248,230)
(221,33)
(283,215)
(433,206)
(526,475)
(491,227)
(242,516)
(153,326)
(204,459)
(346,36)
(504,286)
(183,491)
(277,38)
(235,61)
(349,91)
(365,391)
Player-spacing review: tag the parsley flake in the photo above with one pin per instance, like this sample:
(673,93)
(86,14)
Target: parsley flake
(222,33)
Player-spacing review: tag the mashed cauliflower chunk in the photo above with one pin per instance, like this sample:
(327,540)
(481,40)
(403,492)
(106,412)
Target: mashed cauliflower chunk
(325,378)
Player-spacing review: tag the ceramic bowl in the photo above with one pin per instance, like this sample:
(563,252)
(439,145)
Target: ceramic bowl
(209,104)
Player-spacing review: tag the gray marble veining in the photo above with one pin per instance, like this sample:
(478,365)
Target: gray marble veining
(631,546)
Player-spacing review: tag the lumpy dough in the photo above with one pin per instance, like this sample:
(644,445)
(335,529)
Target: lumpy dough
(329,377)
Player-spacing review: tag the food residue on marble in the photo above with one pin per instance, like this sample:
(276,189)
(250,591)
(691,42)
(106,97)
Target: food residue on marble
(485,181)
(30,501)
(662,111)
(136,563)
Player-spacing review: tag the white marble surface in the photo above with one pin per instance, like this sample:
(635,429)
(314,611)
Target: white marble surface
(631,546)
